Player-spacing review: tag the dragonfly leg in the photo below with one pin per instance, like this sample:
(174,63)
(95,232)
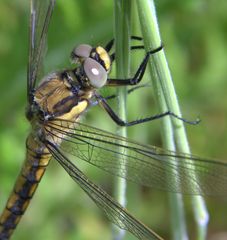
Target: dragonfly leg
(139,73)
(110,44)
(102,101)
(112,56)
(129,91)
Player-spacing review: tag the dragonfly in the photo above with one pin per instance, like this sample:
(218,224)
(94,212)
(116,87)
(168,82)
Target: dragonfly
(55,106)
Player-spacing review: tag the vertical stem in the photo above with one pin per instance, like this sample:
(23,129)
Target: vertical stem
(122,48)
(174,132)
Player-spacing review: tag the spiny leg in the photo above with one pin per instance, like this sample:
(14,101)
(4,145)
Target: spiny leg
(139,73)
(134,81)
(129,91)
(110,44)
(102,101)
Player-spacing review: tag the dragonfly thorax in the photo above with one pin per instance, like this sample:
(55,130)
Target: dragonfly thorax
(59,95)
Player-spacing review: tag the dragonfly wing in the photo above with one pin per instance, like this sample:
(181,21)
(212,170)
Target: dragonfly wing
(113,210)
(41,12)
(144,164)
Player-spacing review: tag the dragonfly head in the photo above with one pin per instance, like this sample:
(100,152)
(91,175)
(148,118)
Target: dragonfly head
(96,63)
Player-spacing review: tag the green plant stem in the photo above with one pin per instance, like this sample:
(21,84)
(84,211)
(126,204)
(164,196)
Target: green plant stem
(174,134)
(122,49)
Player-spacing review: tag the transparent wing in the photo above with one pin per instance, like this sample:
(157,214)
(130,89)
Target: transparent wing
(114,211)
(143,164)
(40,15)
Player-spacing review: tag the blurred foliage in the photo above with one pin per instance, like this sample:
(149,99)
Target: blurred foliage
(194,33)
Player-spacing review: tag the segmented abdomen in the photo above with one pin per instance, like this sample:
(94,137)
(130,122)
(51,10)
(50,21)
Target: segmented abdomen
(37,159)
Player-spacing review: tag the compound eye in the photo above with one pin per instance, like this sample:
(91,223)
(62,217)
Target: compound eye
(95,72)
(81,51)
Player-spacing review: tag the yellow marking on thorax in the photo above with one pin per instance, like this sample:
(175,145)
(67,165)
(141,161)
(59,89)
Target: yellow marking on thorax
(68,125)
(75,111)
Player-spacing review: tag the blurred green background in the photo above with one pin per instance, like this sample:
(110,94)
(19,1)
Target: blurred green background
(194,33)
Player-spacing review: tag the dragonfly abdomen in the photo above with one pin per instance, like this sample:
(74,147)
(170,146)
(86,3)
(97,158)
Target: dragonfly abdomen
(31,173)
